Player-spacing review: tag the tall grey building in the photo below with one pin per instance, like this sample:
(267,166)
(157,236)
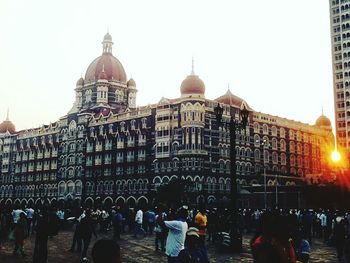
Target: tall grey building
(340,34)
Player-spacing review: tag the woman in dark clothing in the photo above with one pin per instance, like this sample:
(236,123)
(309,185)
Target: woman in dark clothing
(86,231)
(42,234)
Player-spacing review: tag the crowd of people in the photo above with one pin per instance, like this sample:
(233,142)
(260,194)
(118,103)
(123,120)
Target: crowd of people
(182,234)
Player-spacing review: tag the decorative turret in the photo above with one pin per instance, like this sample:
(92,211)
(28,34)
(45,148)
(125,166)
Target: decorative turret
(324,122)
(107,43)
(7,125)
(132,93)
(192,85)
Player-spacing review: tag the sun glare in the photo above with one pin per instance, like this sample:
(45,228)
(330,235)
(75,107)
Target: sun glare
(335,156)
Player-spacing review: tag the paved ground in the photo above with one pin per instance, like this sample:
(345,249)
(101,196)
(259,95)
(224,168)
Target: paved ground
(142,250)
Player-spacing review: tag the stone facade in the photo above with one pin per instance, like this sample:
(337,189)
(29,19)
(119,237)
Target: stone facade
(108,150)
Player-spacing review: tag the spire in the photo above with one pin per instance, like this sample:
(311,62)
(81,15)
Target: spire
(322,110)
(8,114)
(192,72)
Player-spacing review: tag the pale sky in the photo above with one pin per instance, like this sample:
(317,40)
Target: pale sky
(275,54)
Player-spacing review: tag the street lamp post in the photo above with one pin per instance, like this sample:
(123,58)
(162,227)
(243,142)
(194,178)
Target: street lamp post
(235,235)
(276,191)
(265,198)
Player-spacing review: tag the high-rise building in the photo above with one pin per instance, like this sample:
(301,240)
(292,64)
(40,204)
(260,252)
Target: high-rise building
(340,35)
(106,149)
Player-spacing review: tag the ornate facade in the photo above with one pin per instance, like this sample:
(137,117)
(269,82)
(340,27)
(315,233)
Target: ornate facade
(106,149)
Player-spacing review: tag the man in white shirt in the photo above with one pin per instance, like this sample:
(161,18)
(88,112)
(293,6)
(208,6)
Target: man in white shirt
(323,219)
(138,223)
(16,214)
(176,236)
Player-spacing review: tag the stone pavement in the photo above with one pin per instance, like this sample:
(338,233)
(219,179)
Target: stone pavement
(136,250)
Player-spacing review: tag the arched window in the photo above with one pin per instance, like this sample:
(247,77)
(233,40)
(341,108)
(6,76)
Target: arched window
(292,147)
(282,133)
(266,156)
(257,140)
(274,143)
(256,127)
(283,159)
(257,155)
(265,129)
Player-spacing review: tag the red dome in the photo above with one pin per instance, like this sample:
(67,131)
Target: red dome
(230,99)
(131,83)
(113,68)
(323,121)
(7,126)
(80,82)
(192,85)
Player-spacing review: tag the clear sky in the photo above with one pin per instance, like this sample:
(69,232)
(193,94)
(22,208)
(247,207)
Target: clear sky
(275,54)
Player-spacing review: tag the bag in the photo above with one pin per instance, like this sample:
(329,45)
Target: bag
(11,235)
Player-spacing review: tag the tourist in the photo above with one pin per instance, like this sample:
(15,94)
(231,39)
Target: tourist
(193,251)
(339,233)
(41,238)
(302,248)
(272,242)
(60,214)
(30,214)
(86,231)
(160,230)
(138,223)
(106,251)
(176,236)
(117,223)
(151,220)
(201,221)
(20,232)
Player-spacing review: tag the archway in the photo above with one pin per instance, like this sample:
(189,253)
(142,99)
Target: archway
(131,201)
(107,203)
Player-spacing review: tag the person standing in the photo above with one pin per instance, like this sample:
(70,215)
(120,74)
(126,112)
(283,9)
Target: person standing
(160,230)
(117,223)
(86,230)
(60,215)
(30,214)
(176,236)
(41,238)
(151,220)
(138,223)
(201,221)
(20,234)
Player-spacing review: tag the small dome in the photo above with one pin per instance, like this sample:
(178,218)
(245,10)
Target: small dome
(131,83)
(7,125)
(192,85)
(80,82)
(107,37)
(323,121)
(230,99)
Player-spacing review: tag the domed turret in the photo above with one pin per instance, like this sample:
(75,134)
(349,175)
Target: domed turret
(192,85)
(324,122)
(7,125)
(131,83)
(80,82)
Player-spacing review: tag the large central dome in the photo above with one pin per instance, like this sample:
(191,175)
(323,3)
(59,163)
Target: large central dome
(107,63)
